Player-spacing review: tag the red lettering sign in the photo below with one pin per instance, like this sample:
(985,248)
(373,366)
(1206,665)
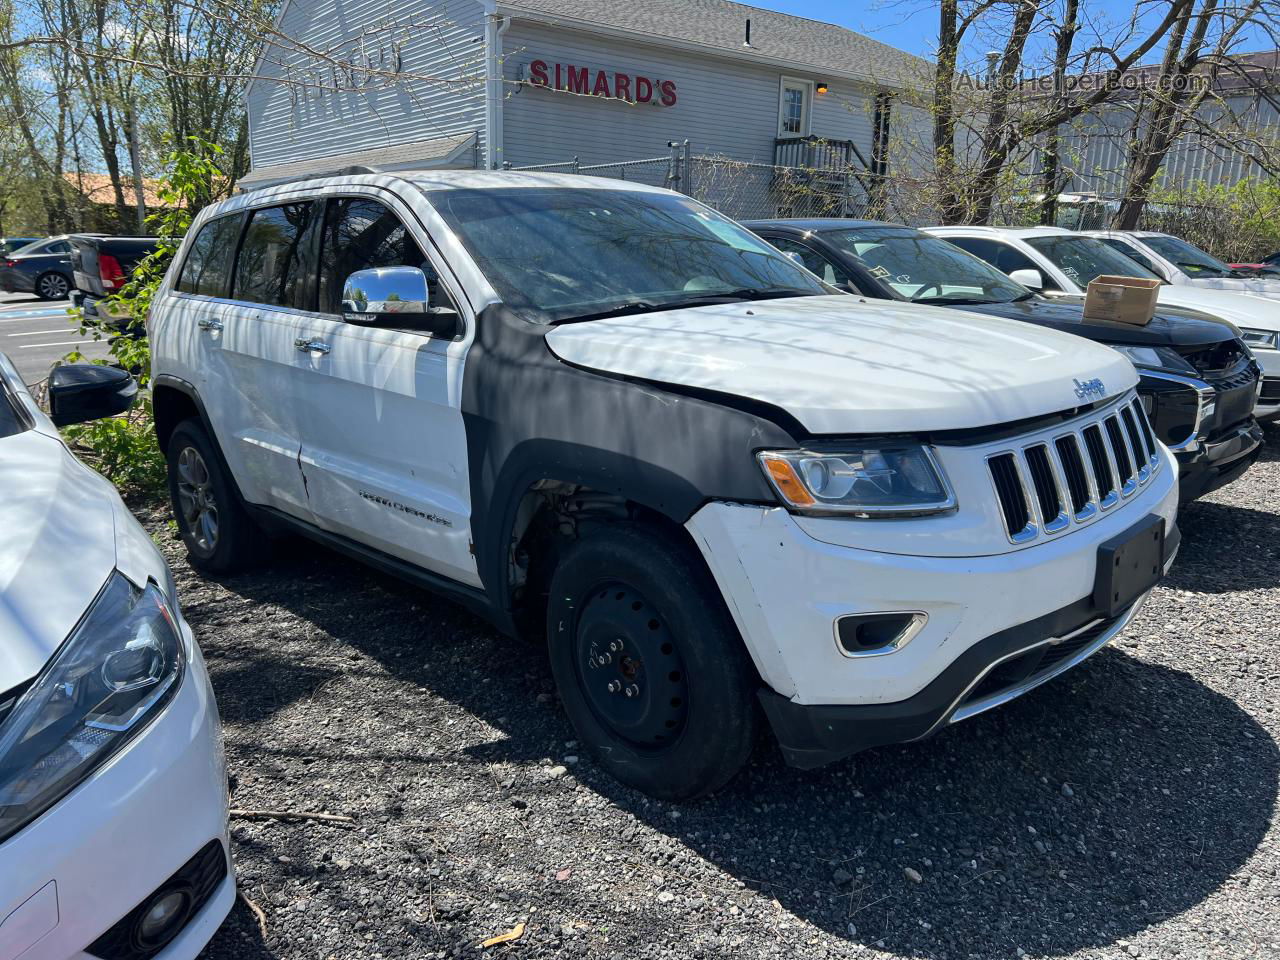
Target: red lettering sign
(595,82)
(577,80)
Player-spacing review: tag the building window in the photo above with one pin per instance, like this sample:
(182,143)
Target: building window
(793,108)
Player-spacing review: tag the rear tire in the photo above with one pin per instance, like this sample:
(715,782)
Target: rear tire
(217,530)
(52,286)
(650,667)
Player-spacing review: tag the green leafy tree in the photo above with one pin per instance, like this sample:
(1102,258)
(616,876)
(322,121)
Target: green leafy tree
(124,448)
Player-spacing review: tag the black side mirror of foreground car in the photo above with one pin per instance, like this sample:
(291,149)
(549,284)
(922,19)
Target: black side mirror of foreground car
(79,392)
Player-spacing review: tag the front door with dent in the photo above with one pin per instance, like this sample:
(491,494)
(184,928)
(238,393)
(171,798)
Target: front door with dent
(384,449)
(248,360)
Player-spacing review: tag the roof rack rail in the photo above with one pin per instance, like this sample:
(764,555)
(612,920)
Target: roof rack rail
(350,170)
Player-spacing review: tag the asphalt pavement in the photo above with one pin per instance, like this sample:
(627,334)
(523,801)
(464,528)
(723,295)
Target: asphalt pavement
(35,333)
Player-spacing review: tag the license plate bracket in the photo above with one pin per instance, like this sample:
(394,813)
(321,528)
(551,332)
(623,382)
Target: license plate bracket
(1129,564)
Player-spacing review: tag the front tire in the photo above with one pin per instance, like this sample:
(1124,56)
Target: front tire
(218,532)
(648,663)
(52,286)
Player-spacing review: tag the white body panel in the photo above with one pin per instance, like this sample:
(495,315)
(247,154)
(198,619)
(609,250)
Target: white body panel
(70,875)
(56,550)
(242,370)
(384,452)
(841,364)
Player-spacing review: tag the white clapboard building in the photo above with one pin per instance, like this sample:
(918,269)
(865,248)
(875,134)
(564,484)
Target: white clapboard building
(485,83)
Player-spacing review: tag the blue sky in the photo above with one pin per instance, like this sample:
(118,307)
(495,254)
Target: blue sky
(907,26)
(912,25)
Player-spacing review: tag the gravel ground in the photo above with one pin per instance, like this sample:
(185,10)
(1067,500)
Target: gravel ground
(1126,810)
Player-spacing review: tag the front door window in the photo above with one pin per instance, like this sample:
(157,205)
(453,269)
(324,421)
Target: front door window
(793,120)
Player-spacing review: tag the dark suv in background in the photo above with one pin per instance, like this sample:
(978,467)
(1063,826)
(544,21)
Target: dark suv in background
(1199,382)
(101,265)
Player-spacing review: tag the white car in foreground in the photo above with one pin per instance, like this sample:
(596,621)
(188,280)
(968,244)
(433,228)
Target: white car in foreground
(113,787)
(1061,263)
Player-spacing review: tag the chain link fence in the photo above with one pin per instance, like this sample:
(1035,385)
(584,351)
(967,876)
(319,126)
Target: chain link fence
(749,191)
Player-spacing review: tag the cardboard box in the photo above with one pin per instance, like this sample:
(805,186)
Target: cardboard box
(1122,299)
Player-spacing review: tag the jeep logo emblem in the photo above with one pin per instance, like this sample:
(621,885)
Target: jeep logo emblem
(1090,389)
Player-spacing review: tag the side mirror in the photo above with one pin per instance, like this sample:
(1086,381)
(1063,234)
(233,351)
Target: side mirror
(794,257)
(392,295)
(79,392)
(1028,278)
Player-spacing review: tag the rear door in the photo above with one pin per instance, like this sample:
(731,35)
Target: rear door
(383,444)
(239,288)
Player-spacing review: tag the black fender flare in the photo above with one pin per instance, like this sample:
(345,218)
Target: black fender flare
(529,416)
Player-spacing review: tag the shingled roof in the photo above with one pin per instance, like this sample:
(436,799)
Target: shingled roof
(720,25)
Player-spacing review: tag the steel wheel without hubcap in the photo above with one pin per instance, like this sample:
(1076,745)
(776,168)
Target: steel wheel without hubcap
(195,499)
(53,286)
(630,669)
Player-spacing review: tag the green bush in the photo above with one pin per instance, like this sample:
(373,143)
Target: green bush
(124,448)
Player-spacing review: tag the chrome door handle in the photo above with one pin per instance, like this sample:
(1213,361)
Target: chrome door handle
(204,323)
(311,345)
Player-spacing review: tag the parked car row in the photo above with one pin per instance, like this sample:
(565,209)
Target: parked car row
(1199,382)
(84,266)
(837,477)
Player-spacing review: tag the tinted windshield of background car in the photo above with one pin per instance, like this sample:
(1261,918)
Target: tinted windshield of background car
(1084,259)
(564,252)
(1192,261)
(920,267)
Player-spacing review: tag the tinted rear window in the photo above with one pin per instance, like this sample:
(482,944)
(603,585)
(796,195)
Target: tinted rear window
(208,265)
(269,268)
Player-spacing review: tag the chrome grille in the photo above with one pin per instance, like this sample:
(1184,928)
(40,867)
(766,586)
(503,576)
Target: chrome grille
(1048,486)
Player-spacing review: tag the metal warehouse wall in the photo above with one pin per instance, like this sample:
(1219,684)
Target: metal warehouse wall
(1094,147)
(436,38)
(724,106)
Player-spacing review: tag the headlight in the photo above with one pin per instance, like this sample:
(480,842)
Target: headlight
(115,672)
(1260,339)
(880,480)
(1162,358)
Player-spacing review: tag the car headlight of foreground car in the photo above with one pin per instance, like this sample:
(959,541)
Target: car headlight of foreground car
(878,480)
(115,673)
(1260,339)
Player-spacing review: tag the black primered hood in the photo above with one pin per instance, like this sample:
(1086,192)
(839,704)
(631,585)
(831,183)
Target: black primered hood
(1170,326)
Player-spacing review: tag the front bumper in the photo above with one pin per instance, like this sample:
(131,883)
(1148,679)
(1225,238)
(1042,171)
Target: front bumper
(785,590)
(1268,407)
(1216,462)
(11,281)
(990,673)
(69,877)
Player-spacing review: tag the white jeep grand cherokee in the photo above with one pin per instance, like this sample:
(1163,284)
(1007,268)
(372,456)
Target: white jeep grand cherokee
(602,413)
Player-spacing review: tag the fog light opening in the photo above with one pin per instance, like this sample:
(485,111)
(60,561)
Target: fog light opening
(162,919)
(874,634)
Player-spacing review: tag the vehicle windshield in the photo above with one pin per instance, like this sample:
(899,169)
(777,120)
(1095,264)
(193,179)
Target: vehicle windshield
(1084,259)
(1133,253)
(1192,261)
(572,254)
(924,268)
